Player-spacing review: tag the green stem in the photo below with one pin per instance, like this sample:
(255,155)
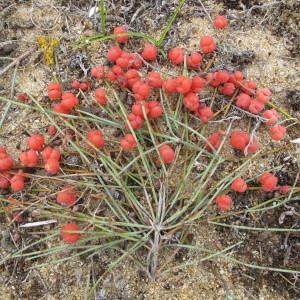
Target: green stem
(102,15)
(169,24)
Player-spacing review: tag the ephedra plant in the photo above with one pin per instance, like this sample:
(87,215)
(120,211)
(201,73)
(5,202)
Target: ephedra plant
(150,163)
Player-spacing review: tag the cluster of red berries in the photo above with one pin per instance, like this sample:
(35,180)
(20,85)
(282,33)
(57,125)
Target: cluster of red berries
(125,72)
(29,159)
(268,182)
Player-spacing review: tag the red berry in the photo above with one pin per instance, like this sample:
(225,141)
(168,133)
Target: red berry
(248,86)
(98,72)
(154,80)
(167,154)
(69,101)
(239,185)
(84,86)
(277,133)
(214,141)
(17,182)
(6,162)
(4,180)
(29,158)
(221,76)
(114,53)
(75,84)
(128,142)
(50,152)
(117,70)
(68,235)
(54,91)
(176,56)
(239,140)
(51,130)
(224,202)
(191,101)
(243,101)
(236,78)
(141,90)
(36,142)
(211,80)
(271,116)
(95,137)
(132,76)
(22,97)
(284,189)
(100,95)
(256,107)
(67,196)
(135,61)
(194,60)
(268,182)
(207,44)
(227,89)
(111,76)
(204,113)
(155,110)
(54,86)
(124,60)
(123,38)
(150,52)
(170,85)
(184,84)
(220,22)
(252,147)
(197,84)
(61,109)
(263,95)
(52,166)
(137,108)
(135,121)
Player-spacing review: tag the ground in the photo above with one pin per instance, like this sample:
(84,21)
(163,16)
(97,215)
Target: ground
(267,53)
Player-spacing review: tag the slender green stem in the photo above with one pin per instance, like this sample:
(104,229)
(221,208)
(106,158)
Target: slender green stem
(170,22)
(102,11)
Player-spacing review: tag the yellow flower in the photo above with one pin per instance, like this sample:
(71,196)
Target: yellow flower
(47,45)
